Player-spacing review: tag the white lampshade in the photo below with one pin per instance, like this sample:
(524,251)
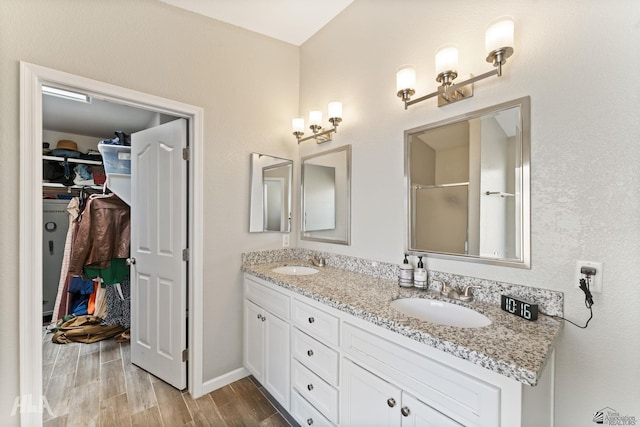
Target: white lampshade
(447,59)
(335,109)
(499,34)
(298,124)
(315,118)
(405,77)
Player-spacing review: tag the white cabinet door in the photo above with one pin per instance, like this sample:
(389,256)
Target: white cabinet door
(418,414)
(368,400)
(253,342)
(277,358)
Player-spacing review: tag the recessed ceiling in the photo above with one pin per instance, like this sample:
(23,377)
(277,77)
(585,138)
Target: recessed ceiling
(292,21)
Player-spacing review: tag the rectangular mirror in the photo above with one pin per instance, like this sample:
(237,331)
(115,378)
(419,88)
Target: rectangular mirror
(270,208)
(326,196)
(467,186)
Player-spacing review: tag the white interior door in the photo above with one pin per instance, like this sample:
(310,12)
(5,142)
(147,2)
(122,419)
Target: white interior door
(158,238)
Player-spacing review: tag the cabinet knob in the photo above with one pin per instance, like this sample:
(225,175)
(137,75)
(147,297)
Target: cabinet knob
(391,402)
(259,316)
(405,411)
(311,320)
(310,387)
(263,318)
(309,421)
(309,353)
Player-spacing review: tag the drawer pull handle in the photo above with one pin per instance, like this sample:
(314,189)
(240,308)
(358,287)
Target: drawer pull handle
(311,320)
(310,387)
(405,411)
(309,353)
(391,402)
(309,421)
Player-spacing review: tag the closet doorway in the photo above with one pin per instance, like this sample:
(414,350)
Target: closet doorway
(32,79)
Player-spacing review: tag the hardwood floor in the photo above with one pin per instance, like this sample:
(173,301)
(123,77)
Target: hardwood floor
(96,385)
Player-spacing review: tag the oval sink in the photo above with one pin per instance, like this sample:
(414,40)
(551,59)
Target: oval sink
(440,312)
(295,270)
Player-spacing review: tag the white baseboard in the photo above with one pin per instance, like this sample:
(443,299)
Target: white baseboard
(221,381)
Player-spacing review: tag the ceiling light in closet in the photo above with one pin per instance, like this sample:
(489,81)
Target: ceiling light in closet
(66,94)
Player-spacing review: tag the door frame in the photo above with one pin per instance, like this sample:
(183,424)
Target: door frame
(30,262)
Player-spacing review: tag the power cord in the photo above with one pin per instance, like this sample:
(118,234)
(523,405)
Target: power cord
(588,301)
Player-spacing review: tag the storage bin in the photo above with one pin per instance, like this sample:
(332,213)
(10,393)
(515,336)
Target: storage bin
(116,158)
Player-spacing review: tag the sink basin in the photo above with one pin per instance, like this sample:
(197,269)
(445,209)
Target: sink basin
(295,270)
(440,312)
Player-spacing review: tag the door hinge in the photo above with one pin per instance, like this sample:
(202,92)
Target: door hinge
(185,354)
(186,153)
(185,254)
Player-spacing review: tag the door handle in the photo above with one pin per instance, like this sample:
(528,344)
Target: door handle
(51,247)
(131,261)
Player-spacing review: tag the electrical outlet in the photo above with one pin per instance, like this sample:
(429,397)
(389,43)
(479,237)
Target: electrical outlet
(285,240)
(596,280)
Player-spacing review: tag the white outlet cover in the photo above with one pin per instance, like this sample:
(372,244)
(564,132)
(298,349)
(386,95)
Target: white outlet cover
(285,240)
(596,281)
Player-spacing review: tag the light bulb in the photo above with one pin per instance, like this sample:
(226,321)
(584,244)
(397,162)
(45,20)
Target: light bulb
(315,118)
(405,77)
(447,59)
(335,109)
(499,34)
(298,124)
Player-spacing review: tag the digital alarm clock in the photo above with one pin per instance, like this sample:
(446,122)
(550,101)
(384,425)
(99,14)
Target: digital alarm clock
(520,308)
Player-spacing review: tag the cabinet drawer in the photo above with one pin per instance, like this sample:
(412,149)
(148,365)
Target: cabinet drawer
(319,324)
(448,390)
(305,414)
(316,391)
(316,356)
(269,299)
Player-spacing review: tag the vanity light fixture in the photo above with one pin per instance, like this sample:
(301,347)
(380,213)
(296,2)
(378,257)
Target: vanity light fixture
(499,47)
(315,124)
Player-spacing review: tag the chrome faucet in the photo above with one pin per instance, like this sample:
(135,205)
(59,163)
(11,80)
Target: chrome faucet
(318,261)
(449,292)
(466,294)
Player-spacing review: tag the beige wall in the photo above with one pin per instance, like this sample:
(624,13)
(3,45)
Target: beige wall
(584,161)
(247,85)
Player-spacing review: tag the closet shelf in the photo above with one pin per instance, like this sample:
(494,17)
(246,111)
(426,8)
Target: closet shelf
(72,187)
(72,160)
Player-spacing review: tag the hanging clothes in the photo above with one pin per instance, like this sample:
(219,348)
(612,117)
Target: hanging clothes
(104,232)
(60,307)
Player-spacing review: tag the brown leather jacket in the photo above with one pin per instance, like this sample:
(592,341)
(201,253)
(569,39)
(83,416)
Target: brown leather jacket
(103,233)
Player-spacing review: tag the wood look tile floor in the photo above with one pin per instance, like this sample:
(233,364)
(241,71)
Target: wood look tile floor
(96,385)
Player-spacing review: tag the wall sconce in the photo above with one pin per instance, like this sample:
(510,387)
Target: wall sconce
(499,47)
(315,124)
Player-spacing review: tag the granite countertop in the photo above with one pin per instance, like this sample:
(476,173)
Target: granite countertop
(511,346)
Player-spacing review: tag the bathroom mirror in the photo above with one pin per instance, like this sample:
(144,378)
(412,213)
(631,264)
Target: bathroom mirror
(467,186)
(326,196)
(270,194)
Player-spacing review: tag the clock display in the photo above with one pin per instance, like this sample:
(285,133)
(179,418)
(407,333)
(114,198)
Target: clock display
(521,308)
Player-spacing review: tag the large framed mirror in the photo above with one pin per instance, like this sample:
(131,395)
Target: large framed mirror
(270,208)
(326,196)
(467,186)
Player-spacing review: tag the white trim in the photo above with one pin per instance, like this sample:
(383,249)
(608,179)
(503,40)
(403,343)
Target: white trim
(223,380)
(30,264)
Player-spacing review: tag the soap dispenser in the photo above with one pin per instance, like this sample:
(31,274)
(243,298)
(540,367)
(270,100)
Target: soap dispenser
(405,277)
(420,275)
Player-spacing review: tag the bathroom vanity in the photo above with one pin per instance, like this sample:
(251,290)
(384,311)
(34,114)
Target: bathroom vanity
(331,350)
